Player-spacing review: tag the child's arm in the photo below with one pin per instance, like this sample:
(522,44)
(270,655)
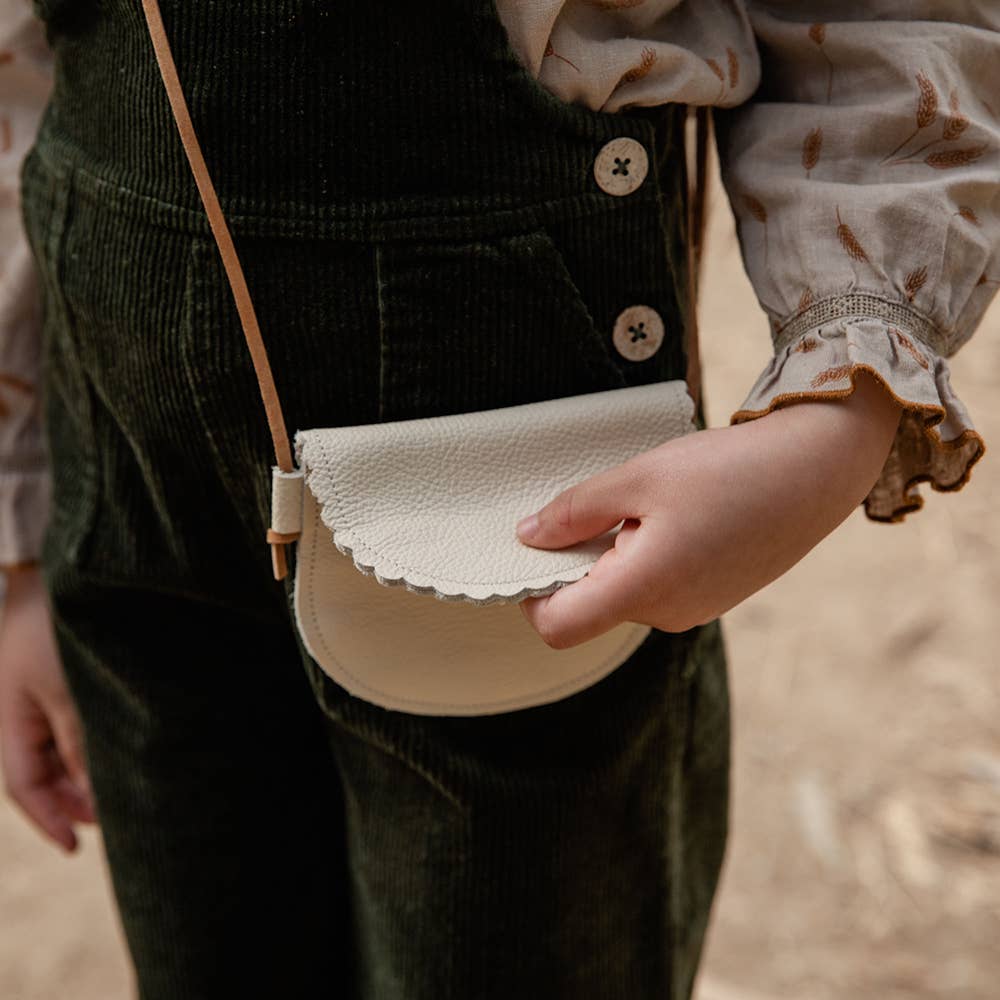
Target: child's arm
(41,742)
(864,176)
(718,514)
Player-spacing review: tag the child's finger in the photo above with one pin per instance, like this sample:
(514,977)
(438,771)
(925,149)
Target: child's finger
(26,768)
(76,805)
(610,594)
(69,744)
(586,509)
(42,806)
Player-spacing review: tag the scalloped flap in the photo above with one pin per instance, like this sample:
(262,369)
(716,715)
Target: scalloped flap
(432,504)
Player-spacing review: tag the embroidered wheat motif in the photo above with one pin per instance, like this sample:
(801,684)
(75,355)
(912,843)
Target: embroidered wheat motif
(831,375)
(927,106)
(915,280)
(811,148)
(956,123)
(968,214)
(907,344)
(646,62)
(734,67)
(805,300)
(550,51)
(849,241)
(947,159)
(805,346)
(927,109)
(717,70)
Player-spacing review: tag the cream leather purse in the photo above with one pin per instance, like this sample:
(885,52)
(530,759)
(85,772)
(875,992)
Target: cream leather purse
(408,568)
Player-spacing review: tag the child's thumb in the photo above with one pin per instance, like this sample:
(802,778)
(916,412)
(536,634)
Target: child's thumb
(583,510)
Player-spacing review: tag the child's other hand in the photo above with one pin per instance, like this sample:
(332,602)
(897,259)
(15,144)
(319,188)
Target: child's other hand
(712,517)
(40,734)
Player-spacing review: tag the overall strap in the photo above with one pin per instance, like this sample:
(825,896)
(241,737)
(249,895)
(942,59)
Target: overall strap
(230,261)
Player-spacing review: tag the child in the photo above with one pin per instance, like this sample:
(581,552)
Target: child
(420,205)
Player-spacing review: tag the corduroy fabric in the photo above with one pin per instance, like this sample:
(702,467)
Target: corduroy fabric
(421,234)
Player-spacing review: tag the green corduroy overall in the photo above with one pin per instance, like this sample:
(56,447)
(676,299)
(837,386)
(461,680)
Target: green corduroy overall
(422,234)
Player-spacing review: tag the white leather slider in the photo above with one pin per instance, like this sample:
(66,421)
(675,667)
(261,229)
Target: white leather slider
(286,501)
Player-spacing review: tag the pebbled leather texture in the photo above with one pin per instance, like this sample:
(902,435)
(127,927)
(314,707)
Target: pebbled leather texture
(426,509)
(432,504)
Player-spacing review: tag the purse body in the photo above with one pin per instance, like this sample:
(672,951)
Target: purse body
(414,653)
(408,570)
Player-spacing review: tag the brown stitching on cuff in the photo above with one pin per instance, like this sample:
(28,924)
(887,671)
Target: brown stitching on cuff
(916,501)
(933,415)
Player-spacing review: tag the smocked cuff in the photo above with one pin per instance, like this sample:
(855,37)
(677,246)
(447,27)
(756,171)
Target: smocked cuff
(24,506)
(935,441)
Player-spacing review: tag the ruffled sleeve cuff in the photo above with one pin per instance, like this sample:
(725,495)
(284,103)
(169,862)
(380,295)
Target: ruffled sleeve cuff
(935,441)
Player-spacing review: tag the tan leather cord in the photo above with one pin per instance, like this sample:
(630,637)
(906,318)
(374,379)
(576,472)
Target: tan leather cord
(230,260)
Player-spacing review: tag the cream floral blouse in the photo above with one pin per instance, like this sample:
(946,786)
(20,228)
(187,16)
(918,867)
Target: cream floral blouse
(860,150)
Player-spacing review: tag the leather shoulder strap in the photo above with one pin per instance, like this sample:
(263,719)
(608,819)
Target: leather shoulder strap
(230,261)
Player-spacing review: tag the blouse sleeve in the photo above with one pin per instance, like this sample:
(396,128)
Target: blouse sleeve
(863,174)
(25,488)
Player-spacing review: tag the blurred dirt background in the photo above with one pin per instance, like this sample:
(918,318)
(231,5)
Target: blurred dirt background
(864,859)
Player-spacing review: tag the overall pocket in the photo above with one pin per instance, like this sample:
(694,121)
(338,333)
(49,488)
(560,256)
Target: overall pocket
(474,325)
(131,476)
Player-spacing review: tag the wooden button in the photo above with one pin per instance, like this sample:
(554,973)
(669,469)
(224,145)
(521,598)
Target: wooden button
(638,333)
(621,166)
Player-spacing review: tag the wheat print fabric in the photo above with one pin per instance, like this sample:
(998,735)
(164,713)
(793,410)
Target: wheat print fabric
(865,177)
(860,146)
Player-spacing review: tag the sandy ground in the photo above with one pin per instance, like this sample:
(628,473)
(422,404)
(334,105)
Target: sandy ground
(864,860)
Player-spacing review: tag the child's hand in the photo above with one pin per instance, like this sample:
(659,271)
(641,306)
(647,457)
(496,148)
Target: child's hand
(712,517)
(40,736)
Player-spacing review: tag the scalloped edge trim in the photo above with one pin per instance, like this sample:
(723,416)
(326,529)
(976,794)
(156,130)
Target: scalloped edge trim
(933,415)
(496,597)
(345,542)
